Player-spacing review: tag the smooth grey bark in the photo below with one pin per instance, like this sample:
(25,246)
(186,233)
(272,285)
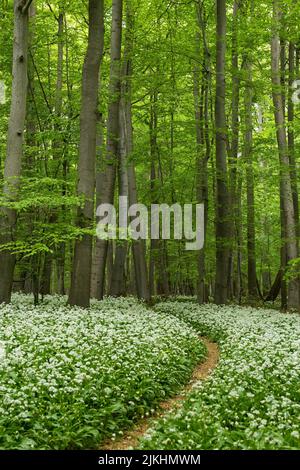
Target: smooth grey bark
(287,207)
(82,261)
(153,184)
(291,145)
(248,154)
(222,199)
(118,284)
(234,254)
(158,261)
(28,168)
(109,264)
(14,152)
(138,246)
(96,272)
(291,138)
(118,281)
(239,236)
(60,251)
(56,151)
(283,250)
(201,107)
(112,142)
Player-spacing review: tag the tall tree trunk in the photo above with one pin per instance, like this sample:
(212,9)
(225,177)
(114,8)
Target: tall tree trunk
(110,264)
(222,222)
(12,168)
(252,281)
(138,246)
(56,147)
(291,138)
(201,105)
(291,147)
(112,145)
(82,261)
(239,237)
(285,180)
(118,285)
(158,261)
(100,181)
(233,151)
(60,250)
(29,163)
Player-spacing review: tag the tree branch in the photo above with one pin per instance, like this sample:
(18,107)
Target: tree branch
(51,9)
(26,7)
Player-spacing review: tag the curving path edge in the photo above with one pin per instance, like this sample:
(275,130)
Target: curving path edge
(131,437)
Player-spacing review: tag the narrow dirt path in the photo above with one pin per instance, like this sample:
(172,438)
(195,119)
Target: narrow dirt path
(130,438)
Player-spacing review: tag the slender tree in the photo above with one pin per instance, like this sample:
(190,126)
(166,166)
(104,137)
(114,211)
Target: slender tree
(81,268)
(233,150)
(287,208)
(248,155)
(291,136)
(57,157)
(222,199)
(12,169)
(113,127)
(127,178)
(201,105)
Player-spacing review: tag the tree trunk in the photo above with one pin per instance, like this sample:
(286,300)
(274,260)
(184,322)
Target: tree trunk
(222,212)
(100,181)
(138,246)
(118,285)
(233,151)
(29,165)
(56,145)
(285,186)
(291,138)
(252,286)
(158,259)
(60,250)
(112,144)
(201,105)
(12,168)
(82,261)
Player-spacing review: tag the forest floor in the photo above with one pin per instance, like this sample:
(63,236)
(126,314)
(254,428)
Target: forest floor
(132,437)
(252,398)
(73,378)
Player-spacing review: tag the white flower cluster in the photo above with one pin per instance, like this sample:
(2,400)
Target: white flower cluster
(71,377)
(252,400)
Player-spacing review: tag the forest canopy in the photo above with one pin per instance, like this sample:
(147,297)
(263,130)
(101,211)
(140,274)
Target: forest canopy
(164,102)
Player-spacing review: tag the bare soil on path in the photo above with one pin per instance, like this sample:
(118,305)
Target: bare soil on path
(130,438)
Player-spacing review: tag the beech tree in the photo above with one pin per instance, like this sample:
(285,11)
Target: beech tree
(82,262)
(162,104)
(287,207)
(222,199)
(112,143)
(14,152)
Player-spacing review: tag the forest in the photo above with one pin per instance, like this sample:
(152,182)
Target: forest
(149,224)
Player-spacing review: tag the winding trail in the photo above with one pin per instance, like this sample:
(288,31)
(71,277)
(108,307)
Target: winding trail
(130,438)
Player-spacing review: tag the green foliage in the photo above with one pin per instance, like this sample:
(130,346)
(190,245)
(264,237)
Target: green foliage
(164,59)
(251,400)
(71,378)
